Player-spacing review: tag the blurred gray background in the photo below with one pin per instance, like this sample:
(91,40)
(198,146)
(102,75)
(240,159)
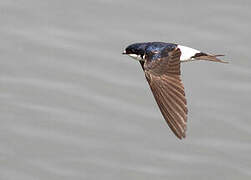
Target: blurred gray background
(72,107)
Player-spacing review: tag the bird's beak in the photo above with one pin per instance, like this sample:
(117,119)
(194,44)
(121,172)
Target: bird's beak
(124,52)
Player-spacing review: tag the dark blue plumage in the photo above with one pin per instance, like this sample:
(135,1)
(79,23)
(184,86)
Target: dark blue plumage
(136,48)
(156,50)
(152,50)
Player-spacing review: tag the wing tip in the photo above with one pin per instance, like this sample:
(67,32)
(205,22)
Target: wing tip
(180,135)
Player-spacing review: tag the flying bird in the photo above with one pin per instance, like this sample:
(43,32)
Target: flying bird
(161,64)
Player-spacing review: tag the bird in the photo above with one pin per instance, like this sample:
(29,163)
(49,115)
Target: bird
(160,62)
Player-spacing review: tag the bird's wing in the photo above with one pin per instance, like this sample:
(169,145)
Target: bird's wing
(163,76)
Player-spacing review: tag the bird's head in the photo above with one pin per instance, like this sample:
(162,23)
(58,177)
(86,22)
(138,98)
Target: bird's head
(136,51)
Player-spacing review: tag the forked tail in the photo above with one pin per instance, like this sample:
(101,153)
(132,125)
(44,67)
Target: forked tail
(206,57)
(211,58)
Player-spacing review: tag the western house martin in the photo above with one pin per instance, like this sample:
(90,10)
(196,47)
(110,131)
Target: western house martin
(161,63)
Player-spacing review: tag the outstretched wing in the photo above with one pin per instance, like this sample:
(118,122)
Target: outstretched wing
(163,76)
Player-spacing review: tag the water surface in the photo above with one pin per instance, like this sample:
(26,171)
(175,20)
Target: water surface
(72,107)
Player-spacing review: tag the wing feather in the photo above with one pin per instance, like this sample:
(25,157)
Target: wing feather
(172,106)
(163,76)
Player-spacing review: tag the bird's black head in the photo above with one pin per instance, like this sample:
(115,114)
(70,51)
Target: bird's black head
(136,51)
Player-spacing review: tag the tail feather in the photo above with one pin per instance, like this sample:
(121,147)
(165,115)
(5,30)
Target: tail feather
(210,58)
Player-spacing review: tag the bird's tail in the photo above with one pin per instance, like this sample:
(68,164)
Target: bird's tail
(208,57)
